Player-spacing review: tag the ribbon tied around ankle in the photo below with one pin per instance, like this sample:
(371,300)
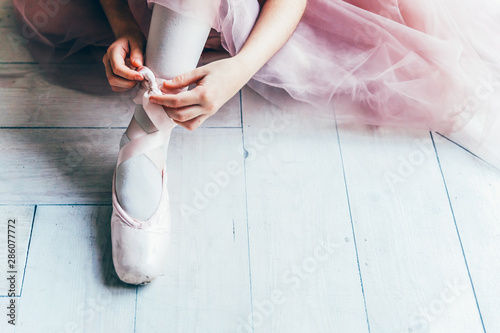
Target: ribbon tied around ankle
(140,141)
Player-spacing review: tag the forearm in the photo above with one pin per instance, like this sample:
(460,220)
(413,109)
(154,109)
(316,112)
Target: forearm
(119,16)
(276,23)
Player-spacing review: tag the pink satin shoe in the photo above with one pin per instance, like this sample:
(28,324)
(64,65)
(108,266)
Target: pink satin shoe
(140,247)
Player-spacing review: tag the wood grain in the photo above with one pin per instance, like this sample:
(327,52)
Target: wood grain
(474,190)
(57,165)
(207,285)
(75,95)
(23,217)
(7,14)
(14,46)
(304,272)
(414,273)
(70,283)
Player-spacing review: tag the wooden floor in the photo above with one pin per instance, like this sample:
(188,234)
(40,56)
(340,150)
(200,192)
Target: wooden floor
(282,222)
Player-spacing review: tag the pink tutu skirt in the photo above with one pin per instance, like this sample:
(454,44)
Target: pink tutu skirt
(429,64)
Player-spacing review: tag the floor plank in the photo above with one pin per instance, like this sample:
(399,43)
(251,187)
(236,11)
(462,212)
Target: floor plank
(14,46)
(62,166)
(5,327)
(75,95)
(14,43)
(207,287)
(414,274)
(23,216)
(304,272)
(474,190)
(70,283)
(7,14)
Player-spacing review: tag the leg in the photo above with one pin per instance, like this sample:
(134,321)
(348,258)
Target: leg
(174,47)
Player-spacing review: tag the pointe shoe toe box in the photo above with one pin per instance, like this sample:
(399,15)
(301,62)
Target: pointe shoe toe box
(139,255)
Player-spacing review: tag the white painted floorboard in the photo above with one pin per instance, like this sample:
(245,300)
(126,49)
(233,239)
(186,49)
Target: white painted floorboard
(70,283)
(414,274)
(23,217)
(54,166)
(75,95)
(57,166)
(474,190)
(305,275)
(13,46)
(7,16)
(207,285)
(11,37)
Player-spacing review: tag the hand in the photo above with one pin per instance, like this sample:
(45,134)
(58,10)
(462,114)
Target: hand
(215,84)
(122,57)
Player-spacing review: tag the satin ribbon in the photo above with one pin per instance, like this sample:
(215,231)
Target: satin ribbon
(148,143)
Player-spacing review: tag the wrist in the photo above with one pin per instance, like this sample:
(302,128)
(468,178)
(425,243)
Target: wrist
(248,65)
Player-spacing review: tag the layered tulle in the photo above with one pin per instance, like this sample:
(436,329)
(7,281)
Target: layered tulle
(69,25)
(430,64)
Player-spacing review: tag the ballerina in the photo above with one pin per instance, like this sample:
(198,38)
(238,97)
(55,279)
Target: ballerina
(431,65)
(140,221)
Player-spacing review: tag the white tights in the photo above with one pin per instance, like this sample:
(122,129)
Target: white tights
(174,46)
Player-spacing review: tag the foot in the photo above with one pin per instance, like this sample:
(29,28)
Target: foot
(140,248)
(140,223)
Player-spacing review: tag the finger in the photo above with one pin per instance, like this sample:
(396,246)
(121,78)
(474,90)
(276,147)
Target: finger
(185,80)
(116,81)
(171,90)
(136,56)
(184,114)
(182,99)
(117,60)
(118,89)
(193,123)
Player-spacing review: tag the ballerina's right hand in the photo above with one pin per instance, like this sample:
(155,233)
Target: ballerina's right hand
(121,60)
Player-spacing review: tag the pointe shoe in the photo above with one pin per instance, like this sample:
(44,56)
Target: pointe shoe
(139,248)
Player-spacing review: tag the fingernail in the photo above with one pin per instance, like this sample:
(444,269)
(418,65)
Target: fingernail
(152,99)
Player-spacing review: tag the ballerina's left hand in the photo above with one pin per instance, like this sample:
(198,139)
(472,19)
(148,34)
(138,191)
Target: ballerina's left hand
(215,84)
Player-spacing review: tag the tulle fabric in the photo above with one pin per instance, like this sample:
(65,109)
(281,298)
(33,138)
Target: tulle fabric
(431,64)
(67,25)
